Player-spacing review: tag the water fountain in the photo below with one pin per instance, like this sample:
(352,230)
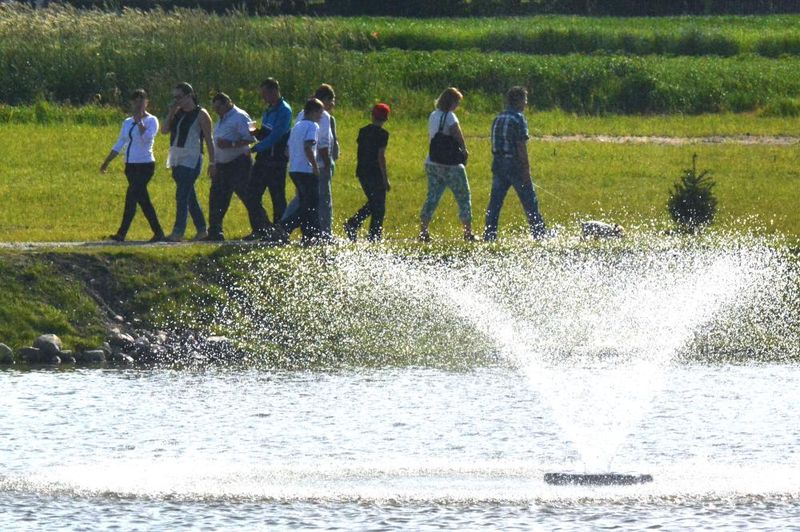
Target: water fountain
(492,388)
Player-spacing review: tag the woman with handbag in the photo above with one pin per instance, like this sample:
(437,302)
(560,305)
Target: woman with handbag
(445,164)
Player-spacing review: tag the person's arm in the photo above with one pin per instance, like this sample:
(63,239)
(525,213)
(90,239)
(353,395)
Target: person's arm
(282,125)
(148,127)
(166,126)
(118,146)
(324,143)
(455,131)
(208,137)
(522,153)
(308,147)
(382,166)
(110,157)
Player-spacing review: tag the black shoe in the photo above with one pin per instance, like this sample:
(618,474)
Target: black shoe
(158,238)
(116,237)
(351,232)
(424,236)
(213,237)
(469,237)
(255,235)
(274,234)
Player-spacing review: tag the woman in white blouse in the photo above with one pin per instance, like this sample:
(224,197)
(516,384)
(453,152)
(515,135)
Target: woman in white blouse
(136,138)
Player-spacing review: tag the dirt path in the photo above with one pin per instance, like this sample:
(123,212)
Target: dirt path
(743,140)
(746,140)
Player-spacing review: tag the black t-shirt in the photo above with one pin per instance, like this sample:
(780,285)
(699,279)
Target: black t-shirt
(371,139)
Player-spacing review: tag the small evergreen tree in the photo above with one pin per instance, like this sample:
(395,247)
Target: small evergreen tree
(692,203)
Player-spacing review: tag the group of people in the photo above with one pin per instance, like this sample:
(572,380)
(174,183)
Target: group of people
(248,160)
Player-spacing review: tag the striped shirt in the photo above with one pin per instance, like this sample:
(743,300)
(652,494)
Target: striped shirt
(508,128)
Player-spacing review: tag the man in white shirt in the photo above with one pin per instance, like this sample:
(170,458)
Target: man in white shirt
(304,171)
(327,153)
(231,171)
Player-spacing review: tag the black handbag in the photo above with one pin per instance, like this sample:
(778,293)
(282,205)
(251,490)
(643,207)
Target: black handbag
(445,149)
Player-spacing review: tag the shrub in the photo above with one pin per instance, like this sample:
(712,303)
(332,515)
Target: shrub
(692,203)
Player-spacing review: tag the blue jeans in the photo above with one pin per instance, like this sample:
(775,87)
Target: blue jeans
(306,217)
(186,199)
(507,172)
(325,207)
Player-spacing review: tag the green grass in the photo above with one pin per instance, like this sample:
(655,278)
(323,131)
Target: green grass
(51,190)
(81,57)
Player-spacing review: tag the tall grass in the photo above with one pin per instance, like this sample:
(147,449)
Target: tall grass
(66,55)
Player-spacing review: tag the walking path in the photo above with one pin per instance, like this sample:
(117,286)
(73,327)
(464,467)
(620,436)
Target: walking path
(746,140)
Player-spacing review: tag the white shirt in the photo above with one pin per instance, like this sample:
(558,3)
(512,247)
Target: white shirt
(433,126)
(303,132)
(435,118)
(234,126)
(137,147)
(324,136)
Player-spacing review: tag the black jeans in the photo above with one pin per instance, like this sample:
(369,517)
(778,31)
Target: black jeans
(266,175)
(375,190)
(231,177)
(307,215)
(139,175)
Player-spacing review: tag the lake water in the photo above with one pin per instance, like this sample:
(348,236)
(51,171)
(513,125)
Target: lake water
(410,448)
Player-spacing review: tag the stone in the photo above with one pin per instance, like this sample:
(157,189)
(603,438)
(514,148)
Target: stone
(54,360)
(120,339)
(49,344)
(30,355)
(69,360)
(122,359)
(6,354)
(94,356)
(118,319)
(595,229)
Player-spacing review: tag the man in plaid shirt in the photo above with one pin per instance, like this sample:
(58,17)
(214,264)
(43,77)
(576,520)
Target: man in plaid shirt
(510,166)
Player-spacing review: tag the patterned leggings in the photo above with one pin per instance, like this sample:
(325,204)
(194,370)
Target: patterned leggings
(441,177)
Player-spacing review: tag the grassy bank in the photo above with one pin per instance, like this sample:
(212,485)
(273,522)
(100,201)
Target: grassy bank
(82,56)
(51,189)
(366,306)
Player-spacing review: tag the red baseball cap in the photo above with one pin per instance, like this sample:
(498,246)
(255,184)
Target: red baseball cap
(381,112)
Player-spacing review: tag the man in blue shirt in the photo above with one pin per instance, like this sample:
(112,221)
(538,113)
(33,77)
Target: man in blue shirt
(510,166)
(269,170)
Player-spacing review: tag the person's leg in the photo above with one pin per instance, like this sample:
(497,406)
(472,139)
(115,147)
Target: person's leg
(220,197)
(276,182)
(530,204)
(184,184)
(292,217)
(198,219)
(457,182)
(377,205)
(292,209)
(354,222)
(310,227)
(130,203)
(325,205)
(500,186)
(436,187)
(240,183)
(257,184)
(145,173)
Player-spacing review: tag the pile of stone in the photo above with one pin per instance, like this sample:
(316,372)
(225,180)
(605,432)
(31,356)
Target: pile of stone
(123,349)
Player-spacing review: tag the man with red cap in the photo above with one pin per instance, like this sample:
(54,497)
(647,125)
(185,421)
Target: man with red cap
(371,173)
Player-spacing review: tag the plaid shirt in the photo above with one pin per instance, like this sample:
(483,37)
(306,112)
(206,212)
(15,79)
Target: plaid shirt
(508,128)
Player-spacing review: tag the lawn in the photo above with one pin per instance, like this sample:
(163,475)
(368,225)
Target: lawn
(51,190)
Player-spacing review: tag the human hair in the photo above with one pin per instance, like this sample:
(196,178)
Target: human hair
(516,96)
(139,94)
(325,92)
(187,89)
(313,105)
(271,83)
(222,98)
(448,98)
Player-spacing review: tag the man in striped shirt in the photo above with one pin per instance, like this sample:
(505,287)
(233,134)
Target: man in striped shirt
(510,166)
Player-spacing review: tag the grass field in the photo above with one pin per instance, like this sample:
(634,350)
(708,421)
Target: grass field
(51,189)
